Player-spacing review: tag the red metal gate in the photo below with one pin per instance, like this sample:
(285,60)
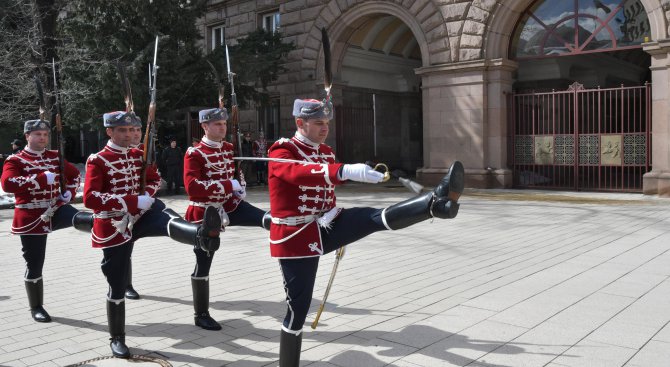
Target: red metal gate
(582,139)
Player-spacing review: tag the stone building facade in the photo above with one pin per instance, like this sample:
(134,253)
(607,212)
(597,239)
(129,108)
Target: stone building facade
(462,76)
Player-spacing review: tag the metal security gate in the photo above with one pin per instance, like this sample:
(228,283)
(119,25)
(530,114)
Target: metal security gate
(582,139)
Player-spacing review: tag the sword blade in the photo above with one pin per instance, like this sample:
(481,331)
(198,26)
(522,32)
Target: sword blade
(156,51)
(413,186)
(282,160)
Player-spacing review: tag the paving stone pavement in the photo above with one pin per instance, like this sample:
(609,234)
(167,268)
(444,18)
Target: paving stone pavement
(514,281)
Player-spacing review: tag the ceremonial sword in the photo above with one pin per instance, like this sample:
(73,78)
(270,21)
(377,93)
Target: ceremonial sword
(413,186)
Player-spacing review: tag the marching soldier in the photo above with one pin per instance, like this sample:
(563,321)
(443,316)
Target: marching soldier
(209,181)
(123,215)
(136,141)
(306,223)
(260,150)
(32,175)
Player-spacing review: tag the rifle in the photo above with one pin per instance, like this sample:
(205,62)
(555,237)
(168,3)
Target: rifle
(149,157)
(58,124)
(234,120)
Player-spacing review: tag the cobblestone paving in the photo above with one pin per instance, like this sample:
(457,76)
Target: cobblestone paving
(518,279)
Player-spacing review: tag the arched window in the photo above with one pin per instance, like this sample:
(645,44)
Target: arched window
(569,27)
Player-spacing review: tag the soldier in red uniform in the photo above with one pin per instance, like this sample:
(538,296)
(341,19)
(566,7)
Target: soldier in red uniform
(209,181)
(32,175)
(123,214)
(306,223)
(260,150)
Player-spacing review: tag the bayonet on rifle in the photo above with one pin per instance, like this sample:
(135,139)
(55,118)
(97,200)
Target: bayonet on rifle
(233,106)
(150,132)
(60,142)
(234,117)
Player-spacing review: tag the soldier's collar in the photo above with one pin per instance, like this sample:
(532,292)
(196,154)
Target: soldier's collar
(34,152)
(303,139)
(118,148)
(212,143)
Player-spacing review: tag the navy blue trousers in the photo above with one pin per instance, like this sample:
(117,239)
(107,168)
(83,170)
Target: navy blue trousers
(34,246)
(299,274)
(116,259)
(246,215)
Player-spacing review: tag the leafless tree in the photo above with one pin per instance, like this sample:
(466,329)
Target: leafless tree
(29,41)
(20,49)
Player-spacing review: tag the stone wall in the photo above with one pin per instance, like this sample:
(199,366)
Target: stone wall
(465,71)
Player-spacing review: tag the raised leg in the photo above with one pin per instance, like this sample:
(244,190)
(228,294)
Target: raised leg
(442,202)
(204,235)
(83,221)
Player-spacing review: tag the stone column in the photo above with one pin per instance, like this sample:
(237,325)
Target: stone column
(499,88)
(657,181)
(465,118)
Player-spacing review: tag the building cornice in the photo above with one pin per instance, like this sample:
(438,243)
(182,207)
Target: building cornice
(468,66)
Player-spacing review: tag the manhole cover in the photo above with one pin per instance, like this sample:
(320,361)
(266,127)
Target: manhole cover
(134,360)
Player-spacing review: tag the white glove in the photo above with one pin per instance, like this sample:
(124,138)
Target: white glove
(145,202)
(241,193)
(236,185)
(51,177)
(65,197)
(361,172)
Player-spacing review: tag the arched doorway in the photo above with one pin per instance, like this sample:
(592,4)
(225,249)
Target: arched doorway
(380,114)
(581,108)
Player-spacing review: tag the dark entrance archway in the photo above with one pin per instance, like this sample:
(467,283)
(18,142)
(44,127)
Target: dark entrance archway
(380,114)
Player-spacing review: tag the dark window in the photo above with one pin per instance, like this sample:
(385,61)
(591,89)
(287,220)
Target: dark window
(268,120)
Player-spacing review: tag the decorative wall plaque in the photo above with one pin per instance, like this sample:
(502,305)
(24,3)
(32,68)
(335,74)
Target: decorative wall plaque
(544,150)
(610,150)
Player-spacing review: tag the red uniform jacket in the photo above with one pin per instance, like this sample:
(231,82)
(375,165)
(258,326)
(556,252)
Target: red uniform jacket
(111,190)
(208,169)
(260,148)
(299,195)
(36,201)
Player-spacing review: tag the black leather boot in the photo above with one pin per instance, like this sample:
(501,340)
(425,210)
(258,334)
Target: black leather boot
(201,305)
(442,202)
(130,291)
(83,221)
(205,235)
(448,191)
(289,349)
(35,291)
(267,220)
(452,184)
(116,319)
